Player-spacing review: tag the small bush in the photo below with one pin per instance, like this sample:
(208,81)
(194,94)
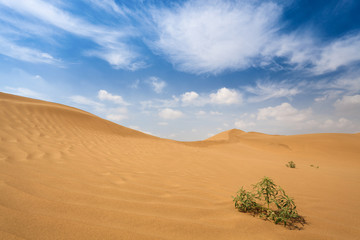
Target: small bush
(291,164)
(314,166)
(273,204)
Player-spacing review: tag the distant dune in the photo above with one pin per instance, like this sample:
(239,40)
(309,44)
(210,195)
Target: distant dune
(68,174)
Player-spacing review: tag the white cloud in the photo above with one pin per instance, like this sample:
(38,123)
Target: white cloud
(243,125)
(348,100)
(169,113)
(115,114)
(104,95)
(303,48)
(189,97)
(10,49)
(215,113)
(201,113)
(111,41)
(349,104)
(115,117)
(25,92)
(283,112)
(298,48)
(340,52)
(225,96)
(85,101)
(108,5)
(265,91)
(135,84)
(119,57)
(163,123)
(160,103)
(157,84)
(333,125)
(210,37)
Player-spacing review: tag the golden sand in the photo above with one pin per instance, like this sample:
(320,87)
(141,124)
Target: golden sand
(68,174)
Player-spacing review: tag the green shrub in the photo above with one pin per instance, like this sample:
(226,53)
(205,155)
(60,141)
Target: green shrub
(279,207)
(291,164)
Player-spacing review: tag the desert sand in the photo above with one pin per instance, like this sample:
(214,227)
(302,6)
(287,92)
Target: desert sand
(68,174)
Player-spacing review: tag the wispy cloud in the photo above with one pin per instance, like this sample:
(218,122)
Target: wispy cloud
(210,37)
(11,49)
(85,101)
(109,6)
(268,90)
(25,92)
(112,43)
(340,52)
(157,84)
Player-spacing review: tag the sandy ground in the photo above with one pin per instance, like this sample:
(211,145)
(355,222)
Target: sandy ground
(67,174)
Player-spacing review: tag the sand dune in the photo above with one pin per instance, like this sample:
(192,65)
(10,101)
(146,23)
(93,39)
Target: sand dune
(67,174)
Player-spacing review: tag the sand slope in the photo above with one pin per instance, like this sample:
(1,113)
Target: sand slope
(67,174)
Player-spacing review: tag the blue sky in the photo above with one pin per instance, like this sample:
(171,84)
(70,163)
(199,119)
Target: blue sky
(188,69)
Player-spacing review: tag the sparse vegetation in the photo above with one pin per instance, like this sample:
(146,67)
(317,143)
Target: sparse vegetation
(269,202)
(291,164)
(314,166)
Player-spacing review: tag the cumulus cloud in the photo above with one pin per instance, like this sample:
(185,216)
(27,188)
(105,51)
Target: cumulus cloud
(157,84)
(244,125)
(225,96)
(349,104)
(210,37)
(340,123)
(104,95)
(189,97)
(116,114)
(113,114)
(348,101)
(283,112)
(169,113)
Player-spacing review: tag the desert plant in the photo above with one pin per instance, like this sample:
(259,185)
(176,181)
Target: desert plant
(286,208)
(279,207)
(291,164)
(266,188)
(245,201)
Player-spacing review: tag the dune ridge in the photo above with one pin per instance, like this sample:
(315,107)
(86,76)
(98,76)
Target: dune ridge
(68,174)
